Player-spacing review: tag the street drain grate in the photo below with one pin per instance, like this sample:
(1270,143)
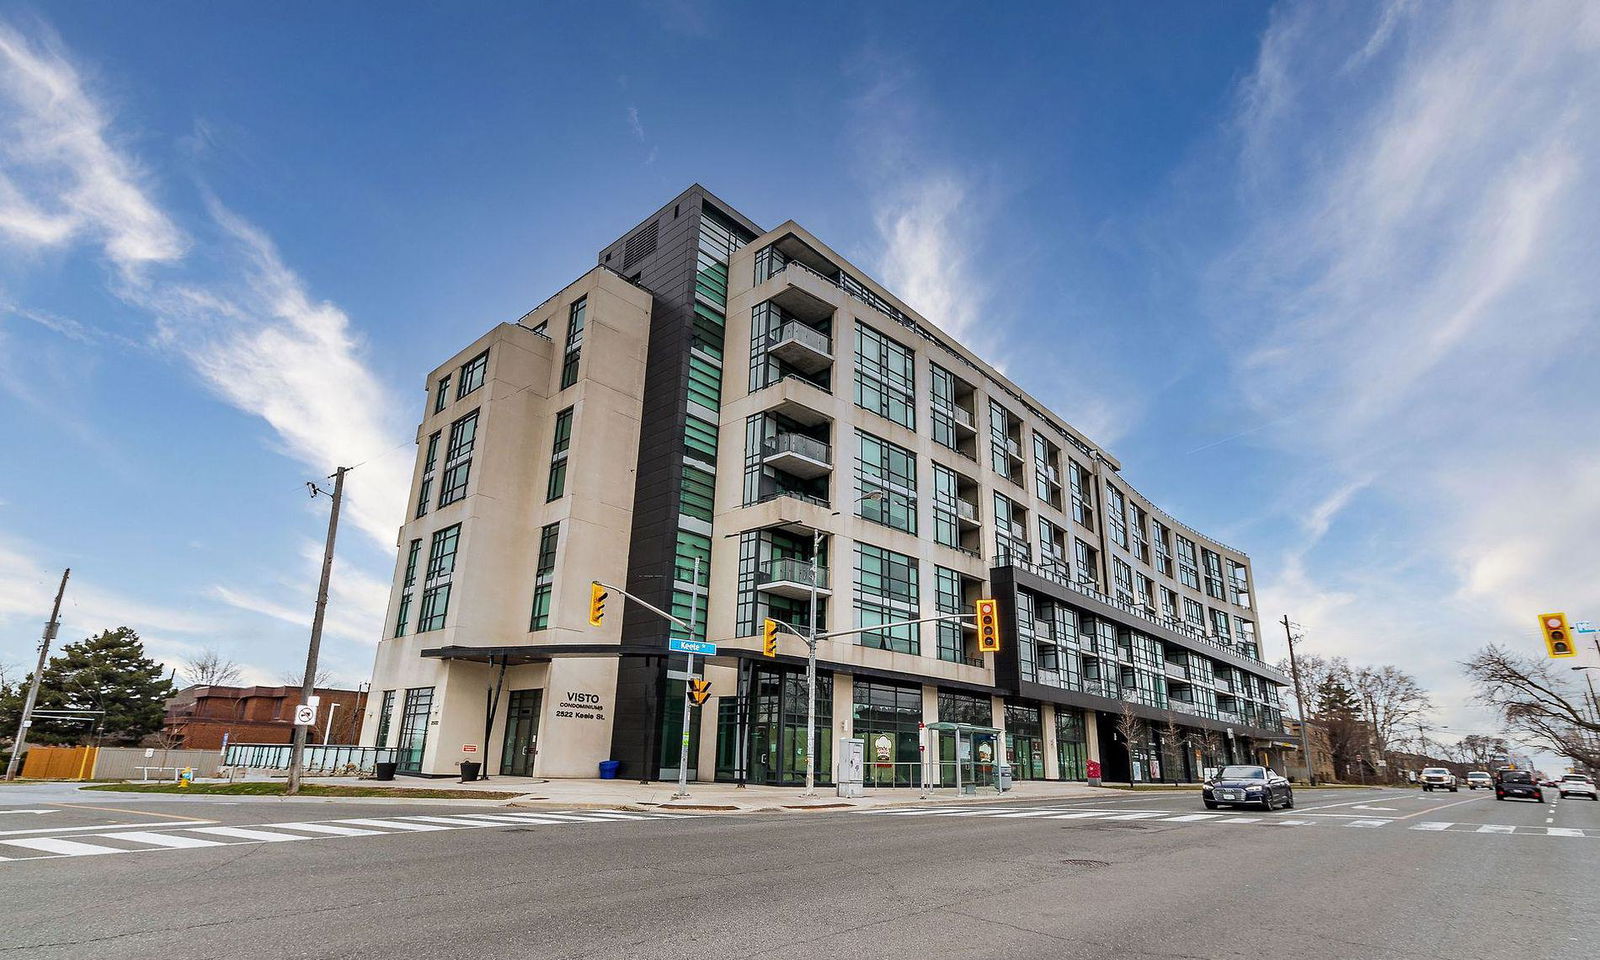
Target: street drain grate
(1086,864)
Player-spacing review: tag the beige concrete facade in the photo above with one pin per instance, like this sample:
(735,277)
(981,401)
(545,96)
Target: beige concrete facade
(1128,577)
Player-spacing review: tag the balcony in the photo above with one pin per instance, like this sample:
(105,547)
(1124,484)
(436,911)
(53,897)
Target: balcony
(791,577)
(964,419)
(797,455)
(802,347)
(967,514)
(1014,449)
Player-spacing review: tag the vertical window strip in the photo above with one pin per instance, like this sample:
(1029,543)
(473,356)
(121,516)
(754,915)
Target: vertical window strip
(575,323)
(556,488)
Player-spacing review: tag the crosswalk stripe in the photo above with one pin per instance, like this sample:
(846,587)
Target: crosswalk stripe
(393,824)
(1562,832)
(615,815)
(1434,825)
(452,821)
(172,840)
(1025,813)
(1241,820)
(67,848)
(1495,828)
(519,818)
(1080,815)
(1292,823)
(328,828)
(1141,815)
(1192,817)
(1369,823)
(242,834)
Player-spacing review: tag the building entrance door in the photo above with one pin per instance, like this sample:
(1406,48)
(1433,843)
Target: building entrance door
(522,733)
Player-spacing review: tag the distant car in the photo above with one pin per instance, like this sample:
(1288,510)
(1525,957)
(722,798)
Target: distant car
(1577,785)
(1479,778)
(1550,783)
(1517,783)
(1243,785)
(1438,778)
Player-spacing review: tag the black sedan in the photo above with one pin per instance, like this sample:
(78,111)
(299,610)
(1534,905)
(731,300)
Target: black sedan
(1247,785)
(1517,783)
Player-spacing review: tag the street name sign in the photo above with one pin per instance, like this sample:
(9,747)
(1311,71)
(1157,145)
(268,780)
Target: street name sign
(696,647)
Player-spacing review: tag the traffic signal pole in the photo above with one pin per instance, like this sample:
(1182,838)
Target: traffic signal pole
(688,685)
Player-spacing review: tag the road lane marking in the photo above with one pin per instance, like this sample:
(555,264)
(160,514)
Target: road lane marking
(102,826)
(452,821)
(328,828)
(1434,825)
(1026,813)
(68,848)
(1495,828)
(1081,815)
(1191,817)
(392,824)
(1241,820)
(240,833)
(172,840)
(137,813)
(1351,803)
(1562,832)
(1141,815)
(1370,823)
(1441,806)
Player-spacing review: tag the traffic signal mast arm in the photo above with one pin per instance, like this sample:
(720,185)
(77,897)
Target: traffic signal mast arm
(876,627)
(647,605)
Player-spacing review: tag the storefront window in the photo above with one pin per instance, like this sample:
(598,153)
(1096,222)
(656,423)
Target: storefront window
(886,719)
(1024,741)
(414,729)
(1071,750)
(777,729)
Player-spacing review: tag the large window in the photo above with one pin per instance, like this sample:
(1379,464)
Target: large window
(945,527)
(777,747)
(1239,584)
(458,459)
(942,407)
(1188,572)
(385,720)
(1116,516)
(414,729)
(949,597)
(1082,486)
(1087,560)
(544,576)
(472,373)
(403,617)
(1163,543)
(1047,470)
(888,717)
(429,462)
(886,592)
(885,377)
(436,582)
(569,362)
(698,493)
(1010,531)
(1005,447)
(1213,564)
(1122,579)
(890,471)
(557,487)
(441,396)
(1071,749)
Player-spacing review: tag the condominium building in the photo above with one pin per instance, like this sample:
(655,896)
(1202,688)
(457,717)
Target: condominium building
(744,403)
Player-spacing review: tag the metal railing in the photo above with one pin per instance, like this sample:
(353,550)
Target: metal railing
(797,443)
(319,759)
(804,335)
(964,417)
(792,570)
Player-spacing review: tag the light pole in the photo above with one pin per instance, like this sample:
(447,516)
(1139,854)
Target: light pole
(1299,697)
(688,686)
(328,733)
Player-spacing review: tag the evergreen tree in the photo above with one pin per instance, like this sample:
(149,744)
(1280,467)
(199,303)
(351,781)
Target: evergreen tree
(108,672)
(1339,712)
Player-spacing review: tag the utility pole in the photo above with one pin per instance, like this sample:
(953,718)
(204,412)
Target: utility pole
(308,683)
(1299,696)
(688,687)
(811,670)
(50,631)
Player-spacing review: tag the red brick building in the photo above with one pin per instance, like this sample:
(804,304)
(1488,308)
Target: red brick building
(200,715)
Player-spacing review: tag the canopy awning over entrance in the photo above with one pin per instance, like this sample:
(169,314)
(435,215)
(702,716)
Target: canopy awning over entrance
(536,653)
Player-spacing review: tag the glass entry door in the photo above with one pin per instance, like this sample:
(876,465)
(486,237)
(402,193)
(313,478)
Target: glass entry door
(522,733)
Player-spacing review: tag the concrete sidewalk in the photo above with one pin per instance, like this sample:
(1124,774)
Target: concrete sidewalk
(727,797)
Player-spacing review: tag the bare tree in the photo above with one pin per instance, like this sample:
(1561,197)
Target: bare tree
(1390,698)
(210,668)
(1316,671)
(1536,700)
(1171,746)
(1131,729)
(294,678)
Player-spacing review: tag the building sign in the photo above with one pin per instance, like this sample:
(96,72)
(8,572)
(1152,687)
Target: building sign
(986,751)
(469,748)
(883,748)
(577,705)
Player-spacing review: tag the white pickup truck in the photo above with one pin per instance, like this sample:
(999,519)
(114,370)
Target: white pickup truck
(1438,778)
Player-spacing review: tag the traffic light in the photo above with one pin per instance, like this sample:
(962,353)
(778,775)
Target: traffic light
(699,690)
(1557,635)
(988,626)
(597,603)
(769,638)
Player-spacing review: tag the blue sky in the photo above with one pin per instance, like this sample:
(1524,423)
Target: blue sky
(1322,279)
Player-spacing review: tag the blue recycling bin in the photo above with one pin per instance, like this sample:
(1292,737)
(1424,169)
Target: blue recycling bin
(608,769)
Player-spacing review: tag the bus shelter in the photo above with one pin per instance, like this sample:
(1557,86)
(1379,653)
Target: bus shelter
(962,755)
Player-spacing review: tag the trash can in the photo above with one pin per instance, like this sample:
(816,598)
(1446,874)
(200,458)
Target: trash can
(384,771)
(469,770)
(608,769)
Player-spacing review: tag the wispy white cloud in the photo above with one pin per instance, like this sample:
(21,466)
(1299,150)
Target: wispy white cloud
(241,318)
(61,179)
(1418,284)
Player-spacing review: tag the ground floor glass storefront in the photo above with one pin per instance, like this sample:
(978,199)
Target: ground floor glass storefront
(1024,741)
(887,719)
(1072,752)
(976,750)
(771,715)
(414,717)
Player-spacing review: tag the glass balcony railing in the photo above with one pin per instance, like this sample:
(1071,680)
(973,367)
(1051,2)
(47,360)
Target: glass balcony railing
(797,444)
(792,570)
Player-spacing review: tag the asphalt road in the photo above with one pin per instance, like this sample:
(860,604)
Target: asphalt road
(1347,875)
